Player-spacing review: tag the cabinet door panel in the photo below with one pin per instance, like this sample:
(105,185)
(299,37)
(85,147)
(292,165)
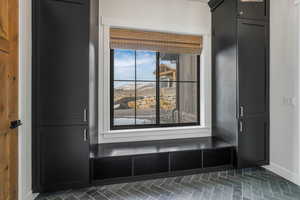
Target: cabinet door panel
(151,164)
(112,167)
(64,157)
(217,157)
(253,67)
(252,148)
(253,9)
(63,63)
(186,160)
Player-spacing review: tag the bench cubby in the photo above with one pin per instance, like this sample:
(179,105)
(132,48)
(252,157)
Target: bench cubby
(124,162)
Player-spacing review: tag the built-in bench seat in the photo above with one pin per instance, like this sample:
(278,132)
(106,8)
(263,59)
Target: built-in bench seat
(119,162)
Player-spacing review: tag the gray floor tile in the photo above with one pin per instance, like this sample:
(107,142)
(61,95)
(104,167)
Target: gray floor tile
(246,184)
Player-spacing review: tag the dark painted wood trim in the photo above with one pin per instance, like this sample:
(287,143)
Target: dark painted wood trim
(35,149)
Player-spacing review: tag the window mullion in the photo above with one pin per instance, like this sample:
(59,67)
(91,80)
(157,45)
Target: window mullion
(112,117)
(178,90)
(135,88)
(157,89)
(198,90)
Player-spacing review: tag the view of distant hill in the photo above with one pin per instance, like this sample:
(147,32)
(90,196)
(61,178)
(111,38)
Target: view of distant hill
(124,96)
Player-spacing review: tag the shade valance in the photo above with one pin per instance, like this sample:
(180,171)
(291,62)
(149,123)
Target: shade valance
(154,41)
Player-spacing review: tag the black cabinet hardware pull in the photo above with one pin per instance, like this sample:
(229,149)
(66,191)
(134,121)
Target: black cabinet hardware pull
(241,126)
(85,135)
(85,115)
(242,111)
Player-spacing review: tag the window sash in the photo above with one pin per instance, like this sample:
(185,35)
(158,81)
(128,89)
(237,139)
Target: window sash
(158,108)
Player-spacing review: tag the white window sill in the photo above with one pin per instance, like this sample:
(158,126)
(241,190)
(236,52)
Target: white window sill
(154,134)
(163,129)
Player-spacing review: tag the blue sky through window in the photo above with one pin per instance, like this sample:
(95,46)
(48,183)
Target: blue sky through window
(146,65)
(124,61)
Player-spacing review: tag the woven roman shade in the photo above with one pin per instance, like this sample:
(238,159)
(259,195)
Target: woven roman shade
(154,41)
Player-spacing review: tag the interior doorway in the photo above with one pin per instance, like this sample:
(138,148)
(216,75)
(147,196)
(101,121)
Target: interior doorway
(8,99)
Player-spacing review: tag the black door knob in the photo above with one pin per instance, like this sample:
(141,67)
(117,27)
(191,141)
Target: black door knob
(15,124)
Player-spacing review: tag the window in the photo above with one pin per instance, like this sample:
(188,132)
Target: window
(153,84)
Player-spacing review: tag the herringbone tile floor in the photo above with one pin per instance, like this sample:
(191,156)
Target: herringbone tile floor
(247,184)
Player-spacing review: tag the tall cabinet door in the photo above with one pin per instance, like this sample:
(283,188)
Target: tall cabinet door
(253,89)
(64,157)
(253,9)
(61,94)
(63,62)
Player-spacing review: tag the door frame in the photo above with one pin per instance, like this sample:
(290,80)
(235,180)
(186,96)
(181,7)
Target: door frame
(25,139)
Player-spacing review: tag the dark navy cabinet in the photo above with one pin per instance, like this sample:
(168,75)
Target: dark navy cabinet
(61,93)
(240,78)
(253,92)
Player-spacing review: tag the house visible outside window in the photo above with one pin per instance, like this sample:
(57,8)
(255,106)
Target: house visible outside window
(154,79)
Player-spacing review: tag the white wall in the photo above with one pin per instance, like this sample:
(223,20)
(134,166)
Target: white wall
(173,16)
(25,177)
(284,94)
(170,15)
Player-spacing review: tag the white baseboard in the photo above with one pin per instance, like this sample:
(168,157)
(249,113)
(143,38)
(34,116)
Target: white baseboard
(283,172)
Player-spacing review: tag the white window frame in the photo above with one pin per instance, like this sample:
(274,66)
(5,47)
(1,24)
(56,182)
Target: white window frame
(108,136)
